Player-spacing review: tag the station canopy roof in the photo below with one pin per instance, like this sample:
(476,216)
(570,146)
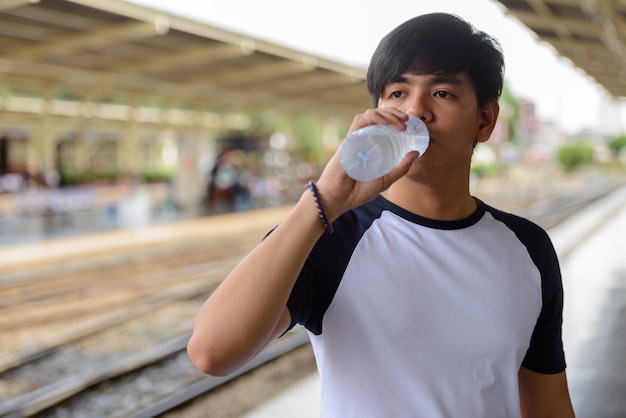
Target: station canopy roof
(108,50)
(590,33)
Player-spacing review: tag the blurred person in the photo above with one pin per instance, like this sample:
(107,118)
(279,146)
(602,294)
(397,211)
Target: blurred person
(419,298)
(228,186)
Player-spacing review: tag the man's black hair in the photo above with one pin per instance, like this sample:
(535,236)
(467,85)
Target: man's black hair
(438,43)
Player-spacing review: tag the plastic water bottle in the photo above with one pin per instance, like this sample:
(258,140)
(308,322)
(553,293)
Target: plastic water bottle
(373,151)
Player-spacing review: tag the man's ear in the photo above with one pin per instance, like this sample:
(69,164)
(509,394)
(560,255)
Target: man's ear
(488,118)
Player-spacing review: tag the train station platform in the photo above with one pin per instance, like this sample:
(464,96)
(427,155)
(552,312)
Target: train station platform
(591,249)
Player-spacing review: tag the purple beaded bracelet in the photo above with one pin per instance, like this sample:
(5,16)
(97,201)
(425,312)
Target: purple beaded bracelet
(318,202)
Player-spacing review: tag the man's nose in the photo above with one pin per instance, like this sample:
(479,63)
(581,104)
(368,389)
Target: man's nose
(419,107)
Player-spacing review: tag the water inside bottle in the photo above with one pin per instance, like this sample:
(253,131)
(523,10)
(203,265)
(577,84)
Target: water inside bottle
(369,157)
(373,151)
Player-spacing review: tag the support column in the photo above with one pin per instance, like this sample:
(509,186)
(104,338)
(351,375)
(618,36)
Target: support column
(195,156)
(42,141)
(130,158)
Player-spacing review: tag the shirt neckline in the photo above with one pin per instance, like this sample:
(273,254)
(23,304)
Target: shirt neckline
(433,223)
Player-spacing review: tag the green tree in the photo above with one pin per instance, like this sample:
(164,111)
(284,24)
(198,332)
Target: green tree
(572,156)
(617,144)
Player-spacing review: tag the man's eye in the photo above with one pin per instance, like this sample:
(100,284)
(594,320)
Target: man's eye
(396,94)
(442,94)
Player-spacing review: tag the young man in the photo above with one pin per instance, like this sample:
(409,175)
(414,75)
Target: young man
(420,299)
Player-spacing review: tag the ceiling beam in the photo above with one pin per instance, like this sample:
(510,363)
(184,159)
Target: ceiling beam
(12,4)
(73,42)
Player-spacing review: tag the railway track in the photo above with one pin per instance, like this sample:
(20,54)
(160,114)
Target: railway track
(106,337)
(66,327)
(552,210)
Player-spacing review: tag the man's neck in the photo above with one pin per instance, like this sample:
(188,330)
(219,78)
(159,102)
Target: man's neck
(446,202)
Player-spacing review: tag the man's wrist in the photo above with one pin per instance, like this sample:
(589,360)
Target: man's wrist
(328,226)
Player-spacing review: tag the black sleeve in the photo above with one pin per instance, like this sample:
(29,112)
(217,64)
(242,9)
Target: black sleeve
(545,354)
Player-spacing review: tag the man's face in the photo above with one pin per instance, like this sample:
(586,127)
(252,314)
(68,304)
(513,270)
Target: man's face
(448,106)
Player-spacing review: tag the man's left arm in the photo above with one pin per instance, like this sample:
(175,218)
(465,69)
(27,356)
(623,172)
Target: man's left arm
(544,395)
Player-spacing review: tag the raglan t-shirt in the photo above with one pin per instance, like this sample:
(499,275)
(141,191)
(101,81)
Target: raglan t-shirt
(414,317)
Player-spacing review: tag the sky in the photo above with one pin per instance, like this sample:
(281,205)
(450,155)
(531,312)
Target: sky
(348,31)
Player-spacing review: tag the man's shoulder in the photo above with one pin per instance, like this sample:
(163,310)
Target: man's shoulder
(513,220)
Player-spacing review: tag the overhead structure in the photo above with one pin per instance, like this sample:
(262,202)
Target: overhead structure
(590,33)
(96,51)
